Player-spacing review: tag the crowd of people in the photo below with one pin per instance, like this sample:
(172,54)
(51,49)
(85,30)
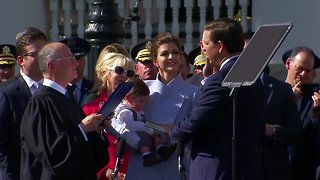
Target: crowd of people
(50,127)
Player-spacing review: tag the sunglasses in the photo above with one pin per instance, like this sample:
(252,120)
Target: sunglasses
(120,70)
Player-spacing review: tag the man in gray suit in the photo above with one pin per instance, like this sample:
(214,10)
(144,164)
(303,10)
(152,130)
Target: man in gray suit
(14,97)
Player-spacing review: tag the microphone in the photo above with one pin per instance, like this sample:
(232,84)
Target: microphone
(119,155)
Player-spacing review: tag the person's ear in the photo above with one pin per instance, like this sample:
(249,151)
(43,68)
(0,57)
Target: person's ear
(105,74)
(50,65)
(136,67)
(221,46)
(155,62)
(20,60)
(288,62)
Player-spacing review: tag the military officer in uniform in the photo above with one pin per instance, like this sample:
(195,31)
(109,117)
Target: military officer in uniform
(78,89)
(7,61)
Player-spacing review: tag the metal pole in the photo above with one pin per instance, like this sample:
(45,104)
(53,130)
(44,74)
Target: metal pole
(104,26)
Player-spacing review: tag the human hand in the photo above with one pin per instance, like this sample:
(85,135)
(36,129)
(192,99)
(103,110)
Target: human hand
(120,176)
(316,103)
(91,122)
(107,121)
(297,90)
(168,127)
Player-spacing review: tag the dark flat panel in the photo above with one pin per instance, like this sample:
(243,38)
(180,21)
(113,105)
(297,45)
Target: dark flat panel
(263,45)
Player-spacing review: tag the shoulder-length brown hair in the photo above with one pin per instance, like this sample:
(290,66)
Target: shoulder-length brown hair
(163,38)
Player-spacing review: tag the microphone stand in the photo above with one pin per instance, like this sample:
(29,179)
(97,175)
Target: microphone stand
(119,154)
(180,153)
(234,95)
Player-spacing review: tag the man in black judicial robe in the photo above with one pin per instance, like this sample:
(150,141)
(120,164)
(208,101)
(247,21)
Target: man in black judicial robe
(57,140)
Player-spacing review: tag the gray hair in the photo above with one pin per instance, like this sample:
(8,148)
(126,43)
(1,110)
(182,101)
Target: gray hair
(295,51)
(45,55)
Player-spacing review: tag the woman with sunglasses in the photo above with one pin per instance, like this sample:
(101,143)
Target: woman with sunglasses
(111,70)
(170,100)
(110,48)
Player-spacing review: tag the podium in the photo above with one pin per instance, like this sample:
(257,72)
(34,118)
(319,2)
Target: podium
(250,64)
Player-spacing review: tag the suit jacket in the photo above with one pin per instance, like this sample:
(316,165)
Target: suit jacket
(85,88)
(14,96)
(304,160)
(209,127)
(282,110)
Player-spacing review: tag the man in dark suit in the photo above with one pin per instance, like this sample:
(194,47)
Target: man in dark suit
(300,64)
(282,128)
(209,124)
(57,140)
(14,96)
(79,87)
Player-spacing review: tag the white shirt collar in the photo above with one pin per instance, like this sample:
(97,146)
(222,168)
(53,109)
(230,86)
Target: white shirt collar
(54,85)
(225,62)
(28,80)
(78,84)
(203,81)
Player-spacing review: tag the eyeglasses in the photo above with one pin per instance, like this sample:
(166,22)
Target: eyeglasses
(301,69)
(31,54)
(120,70)
(68,58)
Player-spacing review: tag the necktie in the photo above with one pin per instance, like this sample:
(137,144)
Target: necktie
(34,87)
(72,91)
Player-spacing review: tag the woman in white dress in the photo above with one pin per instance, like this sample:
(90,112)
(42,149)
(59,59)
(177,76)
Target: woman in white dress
(171,99)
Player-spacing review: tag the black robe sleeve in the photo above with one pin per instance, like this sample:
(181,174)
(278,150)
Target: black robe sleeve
(54,143)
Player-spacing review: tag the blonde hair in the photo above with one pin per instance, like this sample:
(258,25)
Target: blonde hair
(106,64)
(116,48)
(113,48)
